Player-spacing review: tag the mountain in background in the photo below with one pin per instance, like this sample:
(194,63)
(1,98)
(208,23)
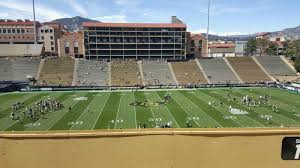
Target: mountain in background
(73,24)
(289,33)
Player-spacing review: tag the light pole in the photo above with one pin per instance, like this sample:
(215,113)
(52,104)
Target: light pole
(34,24)
(208,22)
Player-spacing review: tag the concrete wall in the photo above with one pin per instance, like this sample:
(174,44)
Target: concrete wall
(19,50)
(239,148)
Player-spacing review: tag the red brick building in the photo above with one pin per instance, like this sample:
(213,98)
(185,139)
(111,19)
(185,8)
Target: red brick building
(71,44)
(17,31)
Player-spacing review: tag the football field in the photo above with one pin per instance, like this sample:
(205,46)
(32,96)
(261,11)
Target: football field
(195,108)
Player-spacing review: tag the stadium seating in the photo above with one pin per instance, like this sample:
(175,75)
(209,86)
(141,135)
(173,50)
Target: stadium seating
(248,70)
(157,73)
(5,69)
(218,71)
(57,71)
(91,73)
(125,73)
(25,67)
(188,73)
(275,66)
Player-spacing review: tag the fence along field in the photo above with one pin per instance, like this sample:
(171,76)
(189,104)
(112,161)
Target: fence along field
(203,108)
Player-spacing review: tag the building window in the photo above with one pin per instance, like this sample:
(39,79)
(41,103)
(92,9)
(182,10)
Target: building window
(51,37)
(4,31)
(46,31)
(67,44)
(51,31)
(8,31)
(67,50)
(22,31)
(13,31)
(52,43)
(75,44)
(18,31)
(76,50)
(0,30)
(42,30)
(52,48)
(42,37)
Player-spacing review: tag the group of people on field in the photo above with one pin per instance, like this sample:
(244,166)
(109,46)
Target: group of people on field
(39,109)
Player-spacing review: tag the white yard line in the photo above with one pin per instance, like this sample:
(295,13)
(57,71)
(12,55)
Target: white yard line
(85,110)
(201,109)
(101,111)
(134,113)
(118,111)
(151,111)
(187,113)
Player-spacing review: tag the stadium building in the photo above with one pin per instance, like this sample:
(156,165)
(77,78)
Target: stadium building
(135,40)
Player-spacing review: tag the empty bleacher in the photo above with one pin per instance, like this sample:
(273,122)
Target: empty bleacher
(275,66)
(157,73)
(25,67)
(125,73)
(248,70)
(91,73)
(188,73)
(57,71)
(5,69)
(217,71)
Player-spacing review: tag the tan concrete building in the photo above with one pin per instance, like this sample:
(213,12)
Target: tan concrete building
(71,44)
(19,31)
(196,45)
(221,49)
(49,33)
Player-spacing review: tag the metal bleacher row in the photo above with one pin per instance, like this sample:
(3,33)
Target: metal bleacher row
(61,71)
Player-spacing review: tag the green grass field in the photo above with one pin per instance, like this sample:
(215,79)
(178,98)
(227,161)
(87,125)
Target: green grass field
(115,110)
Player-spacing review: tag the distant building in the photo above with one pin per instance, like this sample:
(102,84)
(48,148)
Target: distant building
(135,40)
(263,35)
(279,41)
(18,32)
(49,33)
(221,49)
(197,45)
(240,48)
(71,44)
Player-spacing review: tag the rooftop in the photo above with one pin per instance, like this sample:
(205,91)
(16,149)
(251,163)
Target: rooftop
(135,25)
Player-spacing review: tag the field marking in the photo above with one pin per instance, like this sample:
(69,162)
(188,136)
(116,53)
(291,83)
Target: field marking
(66,112)
(151,109)
(118,110)
(86,109)
(136,127)
(101,111)
(187,113)
(168,111)
(263,126)
(201,109)
(68,100)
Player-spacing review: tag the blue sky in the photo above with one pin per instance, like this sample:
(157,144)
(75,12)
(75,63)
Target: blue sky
(227,16)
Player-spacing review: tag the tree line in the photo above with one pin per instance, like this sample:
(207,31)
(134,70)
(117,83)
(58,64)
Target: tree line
(261,47)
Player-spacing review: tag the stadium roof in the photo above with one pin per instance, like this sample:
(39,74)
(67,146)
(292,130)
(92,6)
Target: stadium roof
(134,25)
(18,22)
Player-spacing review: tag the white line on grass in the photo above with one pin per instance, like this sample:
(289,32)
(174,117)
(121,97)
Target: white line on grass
(101,111)
(118,111)
(151,111)
(85,110)
(201,109)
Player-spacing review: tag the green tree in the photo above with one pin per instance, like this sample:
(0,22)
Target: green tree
(251,47)
(297,64)
(262,45)
(272,49)
(293,49)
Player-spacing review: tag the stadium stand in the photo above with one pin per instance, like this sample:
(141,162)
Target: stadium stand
(92,73)
(218,71)
(125,73)
(57,71)
(25,67)
(19,50)
(5,69)
(275,66)
(248,70)
(188,73)
(157,73)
